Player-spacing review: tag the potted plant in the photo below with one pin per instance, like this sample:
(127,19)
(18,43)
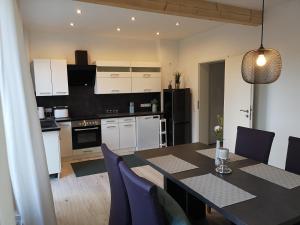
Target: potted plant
(218,129)
(177,80)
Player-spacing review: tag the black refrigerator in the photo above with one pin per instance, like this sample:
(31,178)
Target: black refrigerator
(177,111)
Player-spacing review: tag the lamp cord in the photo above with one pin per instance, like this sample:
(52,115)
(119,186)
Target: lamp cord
(262,26)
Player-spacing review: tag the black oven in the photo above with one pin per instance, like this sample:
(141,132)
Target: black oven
(86,134)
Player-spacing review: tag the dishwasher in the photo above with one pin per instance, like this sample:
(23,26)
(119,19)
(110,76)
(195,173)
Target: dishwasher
(148,136)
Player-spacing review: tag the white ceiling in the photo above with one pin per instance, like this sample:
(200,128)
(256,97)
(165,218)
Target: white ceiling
(56,15)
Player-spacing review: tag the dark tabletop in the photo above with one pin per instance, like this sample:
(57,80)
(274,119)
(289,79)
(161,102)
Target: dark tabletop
(273,205)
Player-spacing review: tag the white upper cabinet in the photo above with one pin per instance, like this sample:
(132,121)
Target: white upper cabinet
(50,77)
(146,77)
(59,77)
(113,77)
(42,77)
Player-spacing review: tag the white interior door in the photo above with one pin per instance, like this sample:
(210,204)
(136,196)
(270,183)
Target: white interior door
(238,101)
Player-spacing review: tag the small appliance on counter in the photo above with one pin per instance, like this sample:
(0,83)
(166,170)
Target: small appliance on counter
(41,112)
(61,112)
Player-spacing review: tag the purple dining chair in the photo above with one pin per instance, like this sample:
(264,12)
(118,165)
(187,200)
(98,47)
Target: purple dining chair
(293,156)
(119,209)
(254,144)
(143,199)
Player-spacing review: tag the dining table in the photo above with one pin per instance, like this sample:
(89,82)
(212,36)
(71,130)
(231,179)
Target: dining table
(253,194)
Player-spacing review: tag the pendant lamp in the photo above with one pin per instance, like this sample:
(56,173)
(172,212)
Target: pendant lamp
(261,66)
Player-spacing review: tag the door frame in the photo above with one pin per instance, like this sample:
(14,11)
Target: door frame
(222,59)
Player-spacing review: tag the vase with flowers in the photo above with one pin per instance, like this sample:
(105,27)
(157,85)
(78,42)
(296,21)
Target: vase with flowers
(219,137)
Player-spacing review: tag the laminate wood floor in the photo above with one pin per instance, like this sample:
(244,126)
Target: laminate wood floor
(86,200)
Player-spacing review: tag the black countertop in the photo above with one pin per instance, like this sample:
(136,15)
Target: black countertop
(107,115)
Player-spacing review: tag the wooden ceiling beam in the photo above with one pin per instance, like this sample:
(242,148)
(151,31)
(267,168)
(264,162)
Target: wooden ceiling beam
(199,9)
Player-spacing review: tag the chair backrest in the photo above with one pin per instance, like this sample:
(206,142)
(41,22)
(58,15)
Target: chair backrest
(293,156)
(119,209)
(142,194)
(254,144)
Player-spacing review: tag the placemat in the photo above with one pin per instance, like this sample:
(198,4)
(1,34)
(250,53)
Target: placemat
(172,164)
(274,175)
(212,152)
(216,190)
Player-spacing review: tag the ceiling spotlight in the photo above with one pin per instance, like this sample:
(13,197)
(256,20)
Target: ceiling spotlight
(78,11)
(119,29)
(133,18)
(177,23)
(72,24)
(157,33)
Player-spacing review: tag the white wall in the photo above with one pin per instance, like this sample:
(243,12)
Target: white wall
(214,45)
(276,105)
(63,45)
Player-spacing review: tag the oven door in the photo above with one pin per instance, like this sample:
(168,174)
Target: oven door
(86,137)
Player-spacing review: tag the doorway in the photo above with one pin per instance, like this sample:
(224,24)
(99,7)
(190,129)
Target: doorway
(211,99)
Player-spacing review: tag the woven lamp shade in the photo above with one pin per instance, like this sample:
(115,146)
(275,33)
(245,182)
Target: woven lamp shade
(268,73)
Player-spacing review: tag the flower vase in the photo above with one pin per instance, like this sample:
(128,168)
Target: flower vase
(177,85)
(217,160)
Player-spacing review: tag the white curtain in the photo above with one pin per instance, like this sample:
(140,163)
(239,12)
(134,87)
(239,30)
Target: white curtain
(25,149)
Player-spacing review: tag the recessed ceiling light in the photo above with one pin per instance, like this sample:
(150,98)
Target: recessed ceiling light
(133,18)
(72,24)
(78,11)
(177,23)
(157,33)
(119,29)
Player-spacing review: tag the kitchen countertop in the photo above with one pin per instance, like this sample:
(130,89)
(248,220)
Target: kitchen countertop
(107,115)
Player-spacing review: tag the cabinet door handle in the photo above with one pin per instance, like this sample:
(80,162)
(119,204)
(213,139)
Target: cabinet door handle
(111,121)
(61,92)
(147,118)
(147,90)
(128,125)
(114,75)
(45,93)
(115,91)
(111,127)
(147,75)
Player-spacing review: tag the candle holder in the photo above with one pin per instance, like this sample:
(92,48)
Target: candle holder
(224,158)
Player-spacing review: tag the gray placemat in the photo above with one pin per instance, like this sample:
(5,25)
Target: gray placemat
(172,164)
(274,175)
(219,192)
(212,152)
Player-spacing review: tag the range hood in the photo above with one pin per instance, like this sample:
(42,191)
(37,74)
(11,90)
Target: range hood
(81,74)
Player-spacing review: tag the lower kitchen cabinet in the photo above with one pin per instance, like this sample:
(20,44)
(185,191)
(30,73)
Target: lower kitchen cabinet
(127,135)
(66,139)
(110,135)
(52,150)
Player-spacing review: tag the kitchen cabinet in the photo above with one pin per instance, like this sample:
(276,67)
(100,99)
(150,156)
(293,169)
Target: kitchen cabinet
(146,77)
(52,149)
(148,136)
(113,77)
(50,77)
(146,82)
(66,139)
(42,77)
(113,85)
(59,77)
(127,133)
(110,134)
